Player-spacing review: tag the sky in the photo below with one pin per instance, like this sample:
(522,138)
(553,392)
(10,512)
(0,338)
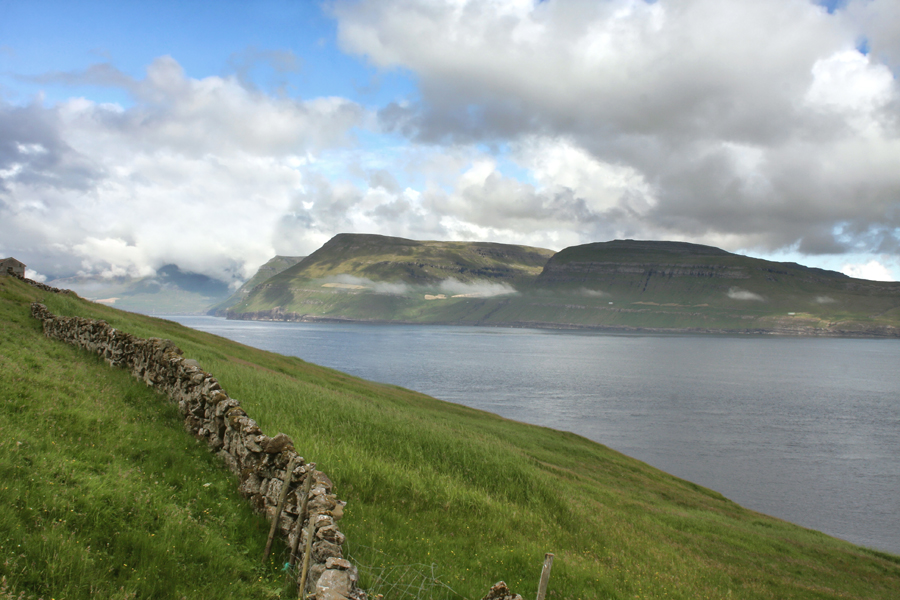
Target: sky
(217,135)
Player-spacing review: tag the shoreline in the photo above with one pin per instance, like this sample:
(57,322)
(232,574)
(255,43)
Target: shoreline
(882,333)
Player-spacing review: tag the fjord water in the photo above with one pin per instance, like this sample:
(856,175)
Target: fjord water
(804,429)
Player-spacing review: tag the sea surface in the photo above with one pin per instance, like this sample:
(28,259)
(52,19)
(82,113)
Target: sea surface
(804,429)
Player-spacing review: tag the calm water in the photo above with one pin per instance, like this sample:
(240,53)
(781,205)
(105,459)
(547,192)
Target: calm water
(804,429)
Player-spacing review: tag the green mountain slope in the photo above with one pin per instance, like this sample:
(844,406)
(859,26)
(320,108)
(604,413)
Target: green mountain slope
(677,285)
(443,500)
(272,267)
(373,277)
(396,260)
(623,285)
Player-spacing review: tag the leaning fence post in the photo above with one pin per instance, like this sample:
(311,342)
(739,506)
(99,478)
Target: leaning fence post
(307,485)
(285,487)
(310,533)
(545,576)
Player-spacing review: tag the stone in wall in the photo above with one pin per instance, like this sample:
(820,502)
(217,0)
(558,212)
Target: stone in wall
(500,591)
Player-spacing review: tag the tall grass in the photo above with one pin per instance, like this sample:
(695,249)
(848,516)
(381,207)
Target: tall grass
(103,494)
(445,500)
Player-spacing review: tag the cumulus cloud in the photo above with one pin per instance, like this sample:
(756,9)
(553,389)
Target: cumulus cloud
(878,21)
(195,172)
(469,197)
(754,125)
(559,165)
(872,270)
(34,275)
(739,294)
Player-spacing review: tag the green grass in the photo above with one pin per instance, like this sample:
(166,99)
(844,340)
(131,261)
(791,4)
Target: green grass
(434,489)
(103,493)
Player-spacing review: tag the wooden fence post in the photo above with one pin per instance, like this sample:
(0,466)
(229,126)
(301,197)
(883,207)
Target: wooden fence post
(307,485)
(307,553)
(545,576)
(285,487)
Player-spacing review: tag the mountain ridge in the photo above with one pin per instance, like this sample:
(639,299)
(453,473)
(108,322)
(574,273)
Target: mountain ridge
(620,285)
(366,256)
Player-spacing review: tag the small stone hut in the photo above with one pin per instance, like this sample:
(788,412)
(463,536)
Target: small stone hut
(11,264)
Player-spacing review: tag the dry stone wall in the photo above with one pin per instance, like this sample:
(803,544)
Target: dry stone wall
(258,460)
(37,284)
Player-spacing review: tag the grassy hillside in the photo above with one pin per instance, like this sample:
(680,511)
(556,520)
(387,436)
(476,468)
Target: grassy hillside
(620,284)
(396,260)
(372,277)
(436,491)
(103,494)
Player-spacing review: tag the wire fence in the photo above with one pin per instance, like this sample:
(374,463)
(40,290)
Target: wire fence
(401,582)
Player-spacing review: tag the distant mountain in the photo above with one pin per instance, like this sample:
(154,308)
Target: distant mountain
(379,258)
(632,284)
(622,285)
(373,277)
(273,267)
(170,291)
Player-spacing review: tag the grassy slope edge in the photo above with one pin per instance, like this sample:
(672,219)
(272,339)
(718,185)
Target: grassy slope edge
(433,488)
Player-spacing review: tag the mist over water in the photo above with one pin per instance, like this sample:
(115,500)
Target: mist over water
(804,429)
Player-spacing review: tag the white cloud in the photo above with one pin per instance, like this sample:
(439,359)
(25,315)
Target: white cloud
(872,270)
(879,22)
(196,172)
(450,287)
(623,65)
(30,274)
(758,123)
(594,293)
(849,81)
(559,164)
(379,287)
(739,294)
(455,287)
(745,125)
(853,89)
